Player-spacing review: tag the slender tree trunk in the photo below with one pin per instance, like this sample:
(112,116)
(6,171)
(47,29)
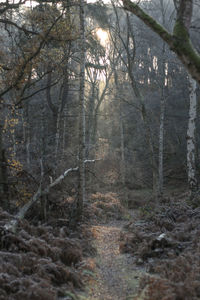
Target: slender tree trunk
(122,161)
(4,197)
(27,135)
(123,168)
(90,122)
(81,165)
(58,131)
(63,99)
(191,137)
(162,119)
(1,163)
(43,199)
(149,138)
(64,131)
(161,143)
(53,108)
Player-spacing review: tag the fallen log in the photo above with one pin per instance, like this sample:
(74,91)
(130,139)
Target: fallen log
(12,225)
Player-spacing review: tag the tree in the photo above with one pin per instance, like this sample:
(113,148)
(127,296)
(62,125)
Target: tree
(127,55)
(81,164)
(191,136)
(178,41)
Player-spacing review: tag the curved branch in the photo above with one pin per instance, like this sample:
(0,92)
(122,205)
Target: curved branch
(179,42)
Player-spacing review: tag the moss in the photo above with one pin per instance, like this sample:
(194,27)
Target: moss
(183,46)
(179,42)
(148,20)
(180,31)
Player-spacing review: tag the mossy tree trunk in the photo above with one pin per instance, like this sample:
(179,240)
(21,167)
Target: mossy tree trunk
(179,40)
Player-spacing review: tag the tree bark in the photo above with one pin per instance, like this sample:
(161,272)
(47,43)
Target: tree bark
(4,201)
(161,143)
(53,108)
(27,134)
(162,114)
(90,121)
(43,199)
(191,137)
(123,168)
(81,165)
(121,125)
(62,103)
(1,163)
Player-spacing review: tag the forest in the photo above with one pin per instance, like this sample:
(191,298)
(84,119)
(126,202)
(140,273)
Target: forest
(99,149)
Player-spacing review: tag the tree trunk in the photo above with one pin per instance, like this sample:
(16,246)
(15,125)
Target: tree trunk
(52,107)
(3,174)
(90,122)
(1,163)
(122,168)
(162,115)
(63,100)
(191,137)
(64,132)
(122,161)
(43,199)
(161,143)
(58,131)
(27,134)
(81,164)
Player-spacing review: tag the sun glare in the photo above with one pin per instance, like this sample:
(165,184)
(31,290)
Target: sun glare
(102,36)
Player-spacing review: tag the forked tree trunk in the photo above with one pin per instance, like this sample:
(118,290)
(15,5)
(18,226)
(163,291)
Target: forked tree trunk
(191,137)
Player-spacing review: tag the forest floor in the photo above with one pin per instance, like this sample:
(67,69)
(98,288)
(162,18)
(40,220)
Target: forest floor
(116,276)
(148,251)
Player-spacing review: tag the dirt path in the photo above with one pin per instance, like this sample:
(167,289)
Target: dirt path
(116,276)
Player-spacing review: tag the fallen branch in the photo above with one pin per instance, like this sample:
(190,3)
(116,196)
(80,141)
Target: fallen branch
(12,225)
(21,214)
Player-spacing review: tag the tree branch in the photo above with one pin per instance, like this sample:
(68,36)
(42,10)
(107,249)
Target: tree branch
(21,214)
(179,42)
